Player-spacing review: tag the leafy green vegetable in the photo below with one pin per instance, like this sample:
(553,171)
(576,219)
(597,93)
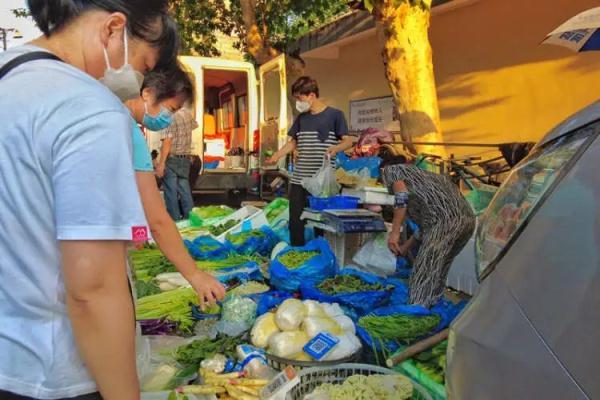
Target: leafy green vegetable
(149,262)
(174,305)
(294,259)
(194,353)
(212,211)
(240,238)
(233,260)
(398,327)
(433,362)
(348,284)
(217,230)
(144,289)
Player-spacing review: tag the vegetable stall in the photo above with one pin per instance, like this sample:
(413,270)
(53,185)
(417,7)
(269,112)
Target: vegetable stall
(290,309)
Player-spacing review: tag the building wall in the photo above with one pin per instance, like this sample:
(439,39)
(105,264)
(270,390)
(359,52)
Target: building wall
(496,83)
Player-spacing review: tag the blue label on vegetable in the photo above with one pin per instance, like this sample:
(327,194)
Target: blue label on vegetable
(320,345)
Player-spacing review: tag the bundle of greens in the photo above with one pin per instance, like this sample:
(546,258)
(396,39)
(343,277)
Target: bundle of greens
(398,327)
(433,362)
(149,262)
(348,284)
(295,259)
(217,230)
(276,207)
(233,260)
(194,353)
(145,289)
(237,239)
(174,305)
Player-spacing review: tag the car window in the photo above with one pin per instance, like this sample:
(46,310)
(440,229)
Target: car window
(522,192)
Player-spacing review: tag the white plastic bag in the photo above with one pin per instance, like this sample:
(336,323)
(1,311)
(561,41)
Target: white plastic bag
(375,257)
(263,329)
(315,325)
(287,344)
(348,345)
(290,315)
(324,183)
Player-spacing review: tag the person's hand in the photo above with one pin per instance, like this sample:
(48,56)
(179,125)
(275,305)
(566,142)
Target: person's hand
(209,289)
(160,170)
(403,249)
(394,242)
(273,159)
(332,151)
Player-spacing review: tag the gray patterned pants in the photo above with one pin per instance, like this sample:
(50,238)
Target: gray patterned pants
(440,245)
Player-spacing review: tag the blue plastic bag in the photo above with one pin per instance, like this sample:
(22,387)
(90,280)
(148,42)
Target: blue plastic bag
(207,248)
(313,272)
(356,164)
(249,271)
(362,302)
(262,245)
(269,300)
(400,292)
(447,311)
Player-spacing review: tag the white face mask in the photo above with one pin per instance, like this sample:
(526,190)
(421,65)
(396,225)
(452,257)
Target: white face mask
(302,106)
(124,82)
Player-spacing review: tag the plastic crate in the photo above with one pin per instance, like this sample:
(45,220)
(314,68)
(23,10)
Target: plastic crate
(211,165)
(333,203)
(311,378)
(241,215)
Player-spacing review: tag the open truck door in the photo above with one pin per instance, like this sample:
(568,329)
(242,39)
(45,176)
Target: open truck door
(226,109)
(273,121)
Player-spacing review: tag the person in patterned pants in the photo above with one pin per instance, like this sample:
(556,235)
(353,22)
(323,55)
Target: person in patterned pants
(444,216)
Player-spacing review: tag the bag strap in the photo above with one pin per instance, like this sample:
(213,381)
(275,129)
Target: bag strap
(24,58)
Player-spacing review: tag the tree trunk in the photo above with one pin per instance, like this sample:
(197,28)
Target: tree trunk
(407,56)
(255,40)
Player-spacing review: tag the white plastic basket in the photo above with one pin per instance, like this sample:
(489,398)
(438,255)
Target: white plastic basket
(243,214)
(311,378)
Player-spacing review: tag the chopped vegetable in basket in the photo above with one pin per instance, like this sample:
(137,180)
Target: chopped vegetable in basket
(251,287)
(295,259)
(217,230)
(238,239)
(360,387)
(348,284)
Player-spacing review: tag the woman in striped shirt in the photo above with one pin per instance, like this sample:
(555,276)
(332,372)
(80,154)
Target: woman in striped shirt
(318,131)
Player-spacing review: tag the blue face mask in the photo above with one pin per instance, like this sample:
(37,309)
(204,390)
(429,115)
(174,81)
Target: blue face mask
(159,122)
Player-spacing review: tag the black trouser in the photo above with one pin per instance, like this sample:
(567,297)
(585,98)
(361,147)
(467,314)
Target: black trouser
(298,202)
(11,396)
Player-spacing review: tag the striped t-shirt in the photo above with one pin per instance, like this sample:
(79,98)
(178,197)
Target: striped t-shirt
(314,134)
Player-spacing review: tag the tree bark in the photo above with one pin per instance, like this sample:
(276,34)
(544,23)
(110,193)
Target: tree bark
(407,56)
(255,39)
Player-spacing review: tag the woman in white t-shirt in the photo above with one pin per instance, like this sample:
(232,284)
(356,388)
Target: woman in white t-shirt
(68,197)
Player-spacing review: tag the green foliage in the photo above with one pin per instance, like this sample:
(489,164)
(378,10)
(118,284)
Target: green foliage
(280,22)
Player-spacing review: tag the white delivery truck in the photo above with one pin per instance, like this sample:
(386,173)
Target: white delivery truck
(242,118)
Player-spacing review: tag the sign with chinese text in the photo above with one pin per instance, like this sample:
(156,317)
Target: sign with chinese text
(379,113)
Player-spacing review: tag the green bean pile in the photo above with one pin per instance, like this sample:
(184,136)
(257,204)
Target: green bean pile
(398,327)
(294,259)
(238,239)
(348,284)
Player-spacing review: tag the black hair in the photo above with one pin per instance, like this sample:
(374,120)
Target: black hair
(143,17)
(154,154)
(169,83)
(305,85)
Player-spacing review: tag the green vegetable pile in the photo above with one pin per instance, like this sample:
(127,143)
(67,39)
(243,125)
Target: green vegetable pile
(348,284)
(433,362)
(149,262)
(398,327)
(194,353)
(217,230)
(233,260)
(294,259)
(238,239)
(144,289)
(276,207)
(174,305)
(212,212)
